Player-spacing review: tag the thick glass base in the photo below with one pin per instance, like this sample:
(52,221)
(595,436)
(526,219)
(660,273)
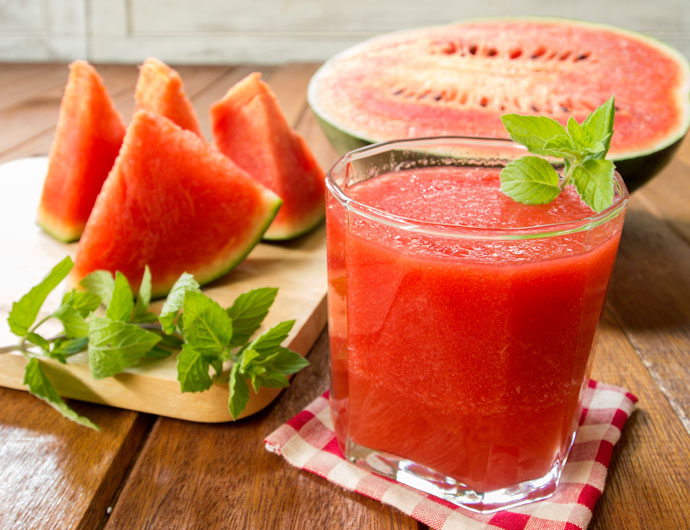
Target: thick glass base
(429,481)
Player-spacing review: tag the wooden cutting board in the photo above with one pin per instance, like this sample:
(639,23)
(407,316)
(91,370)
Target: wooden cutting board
(298,268)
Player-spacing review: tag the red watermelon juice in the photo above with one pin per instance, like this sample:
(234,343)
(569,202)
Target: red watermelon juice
(461,325)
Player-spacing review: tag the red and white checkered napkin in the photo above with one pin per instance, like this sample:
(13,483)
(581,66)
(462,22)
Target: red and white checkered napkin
(308,442)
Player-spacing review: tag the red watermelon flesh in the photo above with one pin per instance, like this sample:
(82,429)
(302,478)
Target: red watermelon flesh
(175,203)
(88,137)
(460,78)
(250,128)
(159,90)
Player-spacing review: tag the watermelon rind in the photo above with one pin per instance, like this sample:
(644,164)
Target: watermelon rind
(284,232)
(636,166)
(54,227)
(233,260)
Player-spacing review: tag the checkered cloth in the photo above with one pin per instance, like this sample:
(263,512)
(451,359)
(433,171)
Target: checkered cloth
(308,442)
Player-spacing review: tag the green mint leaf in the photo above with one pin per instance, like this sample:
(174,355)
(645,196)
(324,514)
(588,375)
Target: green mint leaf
(100,283)
(217,366)
(578,135)
(158,353)
(175,301)
(288,361)
(248,312)
(24,312)
(530,180)
(41,387)
(532,131)
(238,396)
(267,342)
(247,358)
(171,341)
(599,125)
(116,345)
(597,150)
(121,302)
(270,369)
(66,347)
(560,146)
(268,380)
(192,370)
(206,326)
(75,325)
(144,297)
(594,182)
(83,301)
(35,338)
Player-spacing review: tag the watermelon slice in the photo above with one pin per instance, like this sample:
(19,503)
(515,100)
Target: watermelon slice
(159,90)
(175,203)
(459,79)
(250,128)
(88,136)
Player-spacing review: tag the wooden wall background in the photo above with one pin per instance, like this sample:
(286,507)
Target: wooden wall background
(274,31)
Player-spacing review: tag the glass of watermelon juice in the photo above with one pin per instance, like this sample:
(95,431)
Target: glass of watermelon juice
(461,322)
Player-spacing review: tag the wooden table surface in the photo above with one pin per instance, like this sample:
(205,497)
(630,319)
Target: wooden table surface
(144,471)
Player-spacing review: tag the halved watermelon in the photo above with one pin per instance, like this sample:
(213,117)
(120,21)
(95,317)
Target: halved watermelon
(88,137)
(159,90)
(459,79)
(250,128)
(175,203)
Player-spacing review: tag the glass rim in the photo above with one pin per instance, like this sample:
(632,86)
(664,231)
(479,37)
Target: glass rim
(461,231)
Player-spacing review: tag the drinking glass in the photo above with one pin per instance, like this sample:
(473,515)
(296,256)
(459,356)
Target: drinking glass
(460,351)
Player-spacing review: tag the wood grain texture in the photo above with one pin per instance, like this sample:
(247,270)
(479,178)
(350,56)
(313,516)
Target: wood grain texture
(56,474)
(220,476)
(40,105)
(649,295)
(651,461)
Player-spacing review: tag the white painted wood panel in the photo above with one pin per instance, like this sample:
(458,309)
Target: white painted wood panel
(273,31)
(42,30)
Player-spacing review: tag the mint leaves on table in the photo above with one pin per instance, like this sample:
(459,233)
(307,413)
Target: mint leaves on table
(205,334)
(582,147)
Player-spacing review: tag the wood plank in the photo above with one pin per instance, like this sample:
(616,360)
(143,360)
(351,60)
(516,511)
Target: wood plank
(648,485)
(649,295)
(38,115)
(55,473)
(668,196)
(309,127)
(51,77)
(120,81)
(290,85)
(11,73)
(213,476)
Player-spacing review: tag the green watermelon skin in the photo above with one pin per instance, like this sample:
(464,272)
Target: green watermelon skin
(250,128)
(648,131)
(176,204)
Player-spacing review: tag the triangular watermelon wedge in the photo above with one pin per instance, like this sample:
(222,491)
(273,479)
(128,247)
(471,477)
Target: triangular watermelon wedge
(87,139)
(250,128)
(175,203)
(159,90)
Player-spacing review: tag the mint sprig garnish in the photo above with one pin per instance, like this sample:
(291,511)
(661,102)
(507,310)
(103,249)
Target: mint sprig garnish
(204,336)
(582,147)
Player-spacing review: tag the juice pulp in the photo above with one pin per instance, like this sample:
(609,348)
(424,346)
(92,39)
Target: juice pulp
(466,356)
